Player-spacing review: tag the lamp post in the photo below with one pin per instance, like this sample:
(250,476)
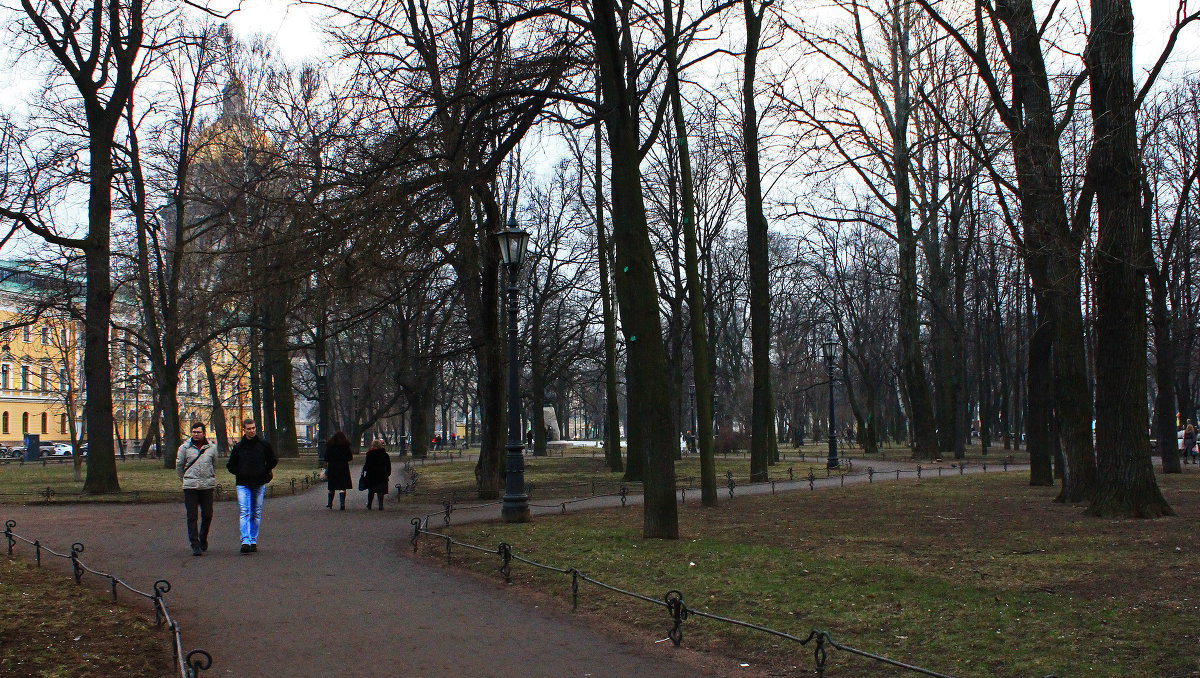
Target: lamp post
(693,423)
(322,411)
(513,242)
(830,345)
(354,414)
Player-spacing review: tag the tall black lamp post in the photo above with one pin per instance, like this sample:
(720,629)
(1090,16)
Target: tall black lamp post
(515,509)
(322,410)
(830,346)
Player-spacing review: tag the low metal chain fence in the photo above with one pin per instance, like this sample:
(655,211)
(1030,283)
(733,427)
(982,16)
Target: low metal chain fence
(189,664)
(673,601)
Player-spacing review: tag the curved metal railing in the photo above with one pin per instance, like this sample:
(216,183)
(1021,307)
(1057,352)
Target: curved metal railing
(189,664)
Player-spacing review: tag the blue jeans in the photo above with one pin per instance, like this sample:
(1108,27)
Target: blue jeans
(250,501)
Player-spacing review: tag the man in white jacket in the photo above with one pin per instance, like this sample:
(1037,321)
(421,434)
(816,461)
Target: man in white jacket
(196,466)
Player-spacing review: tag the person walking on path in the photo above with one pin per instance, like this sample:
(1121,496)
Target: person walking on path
(196,465)
(250,462)
(376,470)
(1189,441)
(337,468)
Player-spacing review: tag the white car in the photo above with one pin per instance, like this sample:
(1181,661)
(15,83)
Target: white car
(62,449)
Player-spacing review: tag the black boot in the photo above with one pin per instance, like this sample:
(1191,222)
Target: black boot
(330,504)
(342,501)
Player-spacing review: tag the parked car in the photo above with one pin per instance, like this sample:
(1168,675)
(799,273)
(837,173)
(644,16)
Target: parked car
(62,449)
(16,452)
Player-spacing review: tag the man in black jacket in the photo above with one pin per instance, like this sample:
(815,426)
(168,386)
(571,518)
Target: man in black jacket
(250,462)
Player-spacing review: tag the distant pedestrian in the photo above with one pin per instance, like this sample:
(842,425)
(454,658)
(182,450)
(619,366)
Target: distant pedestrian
(195,464)
(250,462)
(337,468)
(1189,441)
(377,468)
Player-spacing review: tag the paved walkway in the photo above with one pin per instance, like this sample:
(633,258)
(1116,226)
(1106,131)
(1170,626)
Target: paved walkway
(334,593)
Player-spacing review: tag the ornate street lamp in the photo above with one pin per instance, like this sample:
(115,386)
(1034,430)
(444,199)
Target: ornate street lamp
(322,411)
(830,347)
(513,242)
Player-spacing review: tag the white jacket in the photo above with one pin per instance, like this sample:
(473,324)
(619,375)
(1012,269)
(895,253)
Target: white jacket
(202,472)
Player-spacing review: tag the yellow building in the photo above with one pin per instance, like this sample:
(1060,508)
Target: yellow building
(41,378)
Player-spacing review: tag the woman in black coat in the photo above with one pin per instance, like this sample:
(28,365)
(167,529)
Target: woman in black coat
(376,470)
(337,472)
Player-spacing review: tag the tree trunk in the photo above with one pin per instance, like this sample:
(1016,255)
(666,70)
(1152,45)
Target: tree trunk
(649,391)
(1164,376)
(1039,429)
(1127,486)
(97,366)
(612,406)
(701,375)
(220,427)
(168,400)
(757,255)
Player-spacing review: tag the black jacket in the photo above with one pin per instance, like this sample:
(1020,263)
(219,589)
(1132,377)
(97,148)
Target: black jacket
(251,461)
(377,467)
(337,473)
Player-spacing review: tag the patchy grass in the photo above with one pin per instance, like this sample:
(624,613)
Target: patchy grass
(142,480)
(579,476)
(50,628)
(966,575)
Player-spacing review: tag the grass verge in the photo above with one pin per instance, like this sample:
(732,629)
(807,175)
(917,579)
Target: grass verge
(580,476)
(50,628)
(142,480)
(970,576)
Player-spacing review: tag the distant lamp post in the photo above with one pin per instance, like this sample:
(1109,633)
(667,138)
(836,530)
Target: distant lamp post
(830,347)
(513,242)
(693,424)
(322,411)
(354,413)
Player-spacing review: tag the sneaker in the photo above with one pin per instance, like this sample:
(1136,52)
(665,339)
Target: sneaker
(196,551)
(254,548)
(245,549)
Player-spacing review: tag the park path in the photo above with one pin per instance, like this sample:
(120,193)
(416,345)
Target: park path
(334,593)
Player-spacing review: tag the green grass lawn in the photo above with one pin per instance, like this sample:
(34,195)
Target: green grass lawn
(51,627)
(966,575)
(140,479)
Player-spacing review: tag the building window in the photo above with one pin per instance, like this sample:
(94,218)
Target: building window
(45,381)
(44,422)
(62,335)
(24,422)
(62,423)
(5,335)
(26,334)
(5,425)
(45,335)
(24,377)
(4,372)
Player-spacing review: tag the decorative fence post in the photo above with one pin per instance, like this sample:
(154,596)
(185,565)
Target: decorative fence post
(76,568)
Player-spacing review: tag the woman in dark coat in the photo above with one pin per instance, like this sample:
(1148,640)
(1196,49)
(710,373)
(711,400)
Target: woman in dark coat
(376,470)
(337,472)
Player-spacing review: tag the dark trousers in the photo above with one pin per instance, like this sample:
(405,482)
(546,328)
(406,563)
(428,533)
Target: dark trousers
(373,492)
(202,499)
